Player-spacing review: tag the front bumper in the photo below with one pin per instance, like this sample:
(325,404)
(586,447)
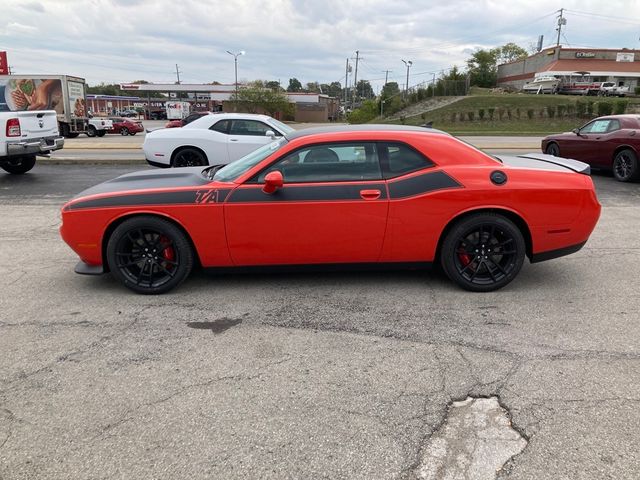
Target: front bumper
(84,268)
(30,147)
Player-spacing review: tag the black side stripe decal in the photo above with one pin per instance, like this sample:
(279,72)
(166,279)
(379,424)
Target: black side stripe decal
(187,197)
(421,184)
(306,193)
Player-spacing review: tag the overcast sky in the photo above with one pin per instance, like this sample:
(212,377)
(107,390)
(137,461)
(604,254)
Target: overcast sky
(125,40)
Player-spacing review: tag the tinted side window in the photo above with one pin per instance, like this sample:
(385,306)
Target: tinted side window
(341,162)
(614,125)
(597,126)
(222,126)
(398,159)
(249,127)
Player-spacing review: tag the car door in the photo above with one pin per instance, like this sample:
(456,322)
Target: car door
(245,136)
(332,208)
(604,144)
(584,146)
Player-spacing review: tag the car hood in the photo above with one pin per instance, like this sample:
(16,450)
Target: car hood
(150,180)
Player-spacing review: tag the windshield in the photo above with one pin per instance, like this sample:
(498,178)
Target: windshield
(232,171)
(284,128)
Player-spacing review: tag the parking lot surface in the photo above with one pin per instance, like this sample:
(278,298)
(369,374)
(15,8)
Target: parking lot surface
(325,375)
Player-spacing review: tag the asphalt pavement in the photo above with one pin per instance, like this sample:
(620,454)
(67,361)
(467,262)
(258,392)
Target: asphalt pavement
(324,375)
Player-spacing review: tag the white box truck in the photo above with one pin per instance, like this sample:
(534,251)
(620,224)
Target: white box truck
(178,110)
(64,94)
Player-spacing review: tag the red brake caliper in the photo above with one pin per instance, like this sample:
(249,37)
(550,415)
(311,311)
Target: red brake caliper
(465,258)
(168,252)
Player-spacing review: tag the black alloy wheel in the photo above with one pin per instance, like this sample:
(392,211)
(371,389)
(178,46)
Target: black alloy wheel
(91,131)
(625,166)
(19,165)
(553,149)
(101,133)
(124,131)
(149,255)
(189,157)
(483,252)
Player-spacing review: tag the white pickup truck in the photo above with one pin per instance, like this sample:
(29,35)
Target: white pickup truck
(98,126)
(23,135)
(610,89)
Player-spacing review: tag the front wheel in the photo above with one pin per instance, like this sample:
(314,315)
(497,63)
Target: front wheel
(19,165)
(553,149)
(91,131)
(124,131)
(149,255)
(189,157)
(625,166)
(101,133)
(483,252)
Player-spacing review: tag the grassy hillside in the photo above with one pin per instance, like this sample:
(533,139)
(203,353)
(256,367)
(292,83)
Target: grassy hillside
(513,113)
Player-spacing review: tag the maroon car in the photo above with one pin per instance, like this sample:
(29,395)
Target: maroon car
(126,126)
(610,143)
(186,120)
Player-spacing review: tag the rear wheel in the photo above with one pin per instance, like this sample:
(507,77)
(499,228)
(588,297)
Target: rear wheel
(625,166)
(149,255)
(124,131)
(101,133)
(19,165)
(553,149)
(189,157)
(483,252)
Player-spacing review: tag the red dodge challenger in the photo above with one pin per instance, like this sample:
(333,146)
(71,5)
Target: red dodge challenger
(382,195)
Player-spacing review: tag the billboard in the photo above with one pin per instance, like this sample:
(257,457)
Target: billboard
(4,66)
(26,93)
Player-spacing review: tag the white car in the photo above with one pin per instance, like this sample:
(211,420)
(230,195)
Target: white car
(211,140)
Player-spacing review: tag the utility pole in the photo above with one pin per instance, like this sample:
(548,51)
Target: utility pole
(408,63)
(235,62)
(178,82)
(355,78)
(433,86)
(386,76)
(561,21)
(346,84)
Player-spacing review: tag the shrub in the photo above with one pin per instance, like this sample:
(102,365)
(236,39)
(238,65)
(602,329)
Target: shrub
(637,90)
(581,108)
(551,111)
(590,108)
(604,108)
(500,113)
(403,119)
(423,116)
(620,106)
(541,113)
(518,113)
(471,116)
(509,114)
(453,117)
(491,112)
(367,112)
(561,110)
(571,110)
(530,113)
(481,114)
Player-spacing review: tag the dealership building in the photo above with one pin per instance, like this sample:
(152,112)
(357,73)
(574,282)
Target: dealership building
(600,65)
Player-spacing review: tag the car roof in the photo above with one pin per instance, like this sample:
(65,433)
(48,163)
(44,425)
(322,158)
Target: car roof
(363,128)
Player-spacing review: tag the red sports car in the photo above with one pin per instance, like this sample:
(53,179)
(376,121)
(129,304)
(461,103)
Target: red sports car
(611,143)
(125,126)
(382,195)
(186,120)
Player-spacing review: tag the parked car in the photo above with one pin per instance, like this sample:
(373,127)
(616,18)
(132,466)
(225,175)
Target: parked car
(214,139)
(186,120)
(124,126)
(339,195)
(128,113)
(609,143)
(25,134)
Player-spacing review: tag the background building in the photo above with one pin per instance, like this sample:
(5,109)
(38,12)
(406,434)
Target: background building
(603,65)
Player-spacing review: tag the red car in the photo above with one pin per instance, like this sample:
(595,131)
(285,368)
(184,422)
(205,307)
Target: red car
(186,120)
(382,195)
(610,143)
(126,126)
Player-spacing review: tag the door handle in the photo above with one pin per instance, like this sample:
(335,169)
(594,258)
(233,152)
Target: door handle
(370,194)
(233,139)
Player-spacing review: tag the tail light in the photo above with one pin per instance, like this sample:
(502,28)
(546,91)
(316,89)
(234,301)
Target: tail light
(13,127)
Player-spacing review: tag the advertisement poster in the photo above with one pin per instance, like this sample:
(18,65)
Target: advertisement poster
(4,66)
(76,99)
(31,94)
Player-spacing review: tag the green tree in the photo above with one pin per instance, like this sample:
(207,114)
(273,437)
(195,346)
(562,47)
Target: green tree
(367,112)
(482,68)
(364,89)
(313,87)
(274,85)
(333,89)
(390,89)
(294,85)
(256,97)
(510,52)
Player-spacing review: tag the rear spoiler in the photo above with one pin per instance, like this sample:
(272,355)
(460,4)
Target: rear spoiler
(575,165)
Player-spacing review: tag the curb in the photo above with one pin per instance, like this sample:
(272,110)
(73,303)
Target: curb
(102,146)
(91,161)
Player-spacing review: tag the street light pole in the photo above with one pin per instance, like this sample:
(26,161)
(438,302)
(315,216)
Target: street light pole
(408,63)
(235,60)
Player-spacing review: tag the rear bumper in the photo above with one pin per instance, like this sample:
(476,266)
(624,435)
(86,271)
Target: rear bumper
(31,147)
(560,252)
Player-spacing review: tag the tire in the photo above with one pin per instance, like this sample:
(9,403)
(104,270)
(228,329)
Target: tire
(124,131)
(625,166)
(72,135)
(553,149)
(149,255)
(19,165)
(132,133)
(189,157)
(101,133)
(91,131)
(483,252)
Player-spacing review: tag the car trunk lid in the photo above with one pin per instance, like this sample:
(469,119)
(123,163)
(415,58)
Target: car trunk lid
(543,161)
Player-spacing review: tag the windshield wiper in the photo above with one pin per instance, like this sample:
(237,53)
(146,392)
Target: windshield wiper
(212,171)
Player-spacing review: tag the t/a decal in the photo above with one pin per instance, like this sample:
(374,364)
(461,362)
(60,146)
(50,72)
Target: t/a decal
(207,196)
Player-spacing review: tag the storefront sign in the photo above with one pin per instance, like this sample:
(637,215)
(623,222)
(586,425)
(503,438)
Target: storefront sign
(625,57)
(4,66)
(585,54)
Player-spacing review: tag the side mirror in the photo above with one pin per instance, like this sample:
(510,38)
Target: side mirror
(270,133)
(576,131)
(273,181)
